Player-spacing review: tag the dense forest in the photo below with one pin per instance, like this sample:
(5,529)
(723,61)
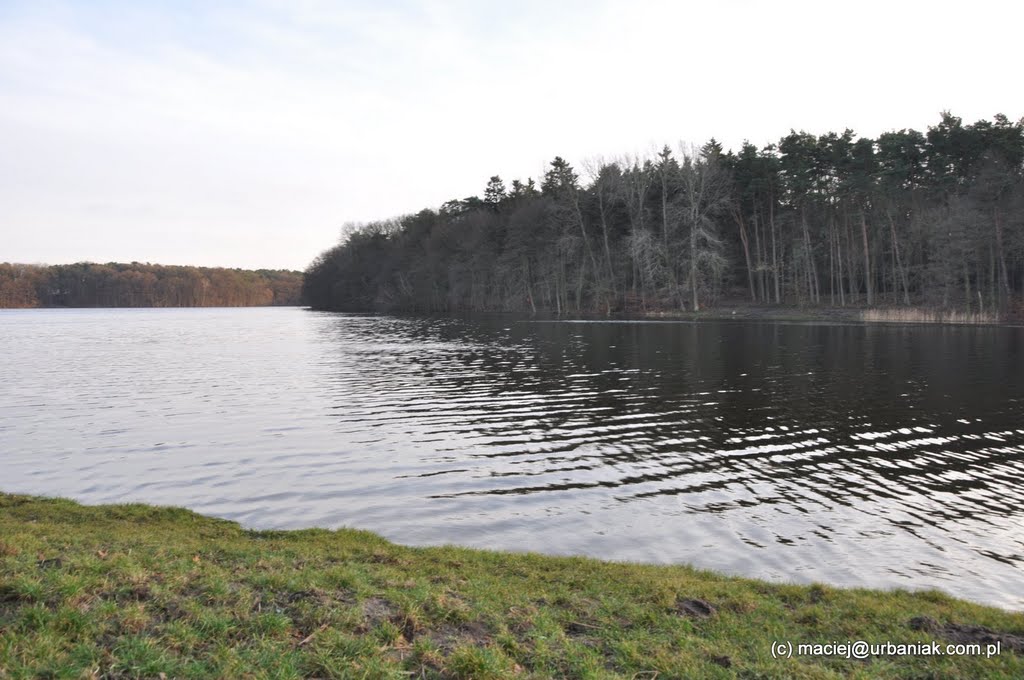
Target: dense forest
(144,285)
(932,220)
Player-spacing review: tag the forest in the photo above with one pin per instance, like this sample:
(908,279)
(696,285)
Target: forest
(931,220)
(144,285)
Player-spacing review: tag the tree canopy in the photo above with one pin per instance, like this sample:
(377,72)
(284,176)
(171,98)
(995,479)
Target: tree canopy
(933,219)
(86,284)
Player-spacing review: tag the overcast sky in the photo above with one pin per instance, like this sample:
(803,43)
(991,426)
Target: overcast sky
(247,135)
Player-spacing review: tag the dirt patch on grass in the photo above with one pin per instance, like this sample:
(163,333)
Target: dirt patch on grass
(308,610)
(377,610)
(167,611)
(694,608)
(448,637)
(582,628)
(289,602)
(966,634)
(381,557)
(520,620)
(136,593)
(321,598)
(8,594)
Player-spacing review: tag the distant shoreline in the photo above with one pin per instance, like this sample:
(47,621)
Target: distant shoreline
(136,284)
(140,307)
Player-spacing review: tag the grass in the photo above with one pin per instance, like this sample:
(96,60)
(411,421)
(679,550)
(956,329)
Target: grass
(137,591)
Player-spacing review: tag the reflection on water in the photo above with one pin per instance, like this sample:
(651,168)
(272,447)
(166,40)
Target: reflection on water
(878,456)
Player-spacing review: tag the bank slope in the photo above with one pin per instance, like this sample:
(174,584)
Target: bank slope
(138,591)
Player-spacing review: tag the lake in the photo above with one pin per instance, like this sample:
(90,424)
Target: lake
(881,456)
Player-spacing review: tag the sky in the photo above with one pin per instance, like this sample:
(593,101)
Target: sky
(246,134)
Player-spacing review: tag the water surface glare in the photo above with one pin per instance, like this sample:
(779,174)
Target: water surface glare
(881,456)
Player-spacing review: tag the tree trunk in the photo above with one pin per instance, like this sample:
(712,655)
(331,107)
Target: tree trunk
(775,259)
(967,286)
(1000,254)
(899,261)
(831,262)
(738,215)
(759,256)
(607,247)
(693,259)
(586,243)
(812,274)
(839,267)
(529,285)
(867,258)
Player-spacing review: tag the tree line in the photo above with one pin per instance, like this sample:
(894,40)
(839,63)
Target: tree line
(86,284)
(931,219)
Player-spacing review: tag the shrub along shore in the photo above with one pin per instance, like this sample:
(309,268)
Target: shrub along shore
(139,591)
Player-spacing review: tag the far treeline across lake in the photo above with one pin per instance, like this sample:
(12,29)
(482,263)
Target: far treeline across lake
(910,220)
(144,285)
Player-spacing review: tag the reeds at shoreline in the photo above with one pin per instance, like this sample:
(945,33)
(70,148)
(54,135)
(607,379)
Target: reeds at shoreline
(922,315)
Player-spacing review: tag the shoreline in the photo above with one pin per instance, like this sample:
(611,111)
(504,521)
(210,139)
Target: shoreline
(910,316)
(140,591)
(846,315)
(740,312)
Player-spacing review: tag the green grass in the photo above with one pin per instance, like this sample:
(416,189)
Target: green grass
(138,591)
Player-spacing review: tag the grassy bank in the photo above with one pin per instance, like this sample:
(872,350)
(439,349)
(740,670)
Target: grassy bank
(136,591)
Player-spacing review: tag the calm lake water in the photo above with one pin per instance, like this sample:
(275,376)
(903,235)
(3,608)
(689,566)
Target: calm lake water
(883,456)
